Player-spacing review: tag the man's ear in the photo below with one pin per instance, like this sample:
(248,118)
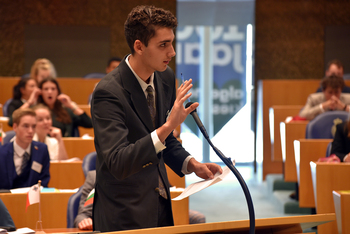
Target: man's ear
(138,46)
(14,126)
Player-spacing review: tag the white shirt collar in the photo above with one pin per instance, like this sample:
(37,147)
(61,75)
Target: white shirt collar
(143,84)
(19,150)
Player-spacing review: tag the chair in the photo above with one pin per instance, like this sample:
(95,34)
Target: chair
(323,126)
(329,149)
(27,75)
(89,162)
(9,135)
(95,75)
(73,207)
(5,107)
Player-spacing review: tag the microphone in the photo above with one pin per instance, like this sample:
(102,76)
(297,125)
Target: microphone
(198,121)
(230,165)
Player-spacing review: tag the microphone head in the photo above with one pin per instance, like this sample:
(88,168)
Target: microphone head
(188,104)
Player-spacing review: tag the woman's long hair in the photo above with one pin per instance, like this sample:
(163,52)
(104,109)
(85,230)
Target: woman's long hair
(61,113)
(17,94)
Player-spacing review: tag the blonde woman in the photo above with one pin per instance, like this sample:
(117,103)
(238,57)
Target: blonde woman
(41,69)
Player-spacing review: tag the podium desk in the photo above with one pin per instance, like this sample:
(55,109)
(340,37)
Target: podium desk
(277,114)
(54,209)
(280,225)
(341,204)
(289,132)
(66,175)
(78,147)
(307,150)
(327,177)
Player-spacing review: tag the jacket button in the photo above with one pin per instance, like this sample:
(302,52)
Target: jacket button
(156,189)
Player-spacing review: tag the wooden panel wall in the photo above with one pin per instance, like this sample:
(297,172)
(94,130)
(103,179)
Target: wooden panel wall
(15,14)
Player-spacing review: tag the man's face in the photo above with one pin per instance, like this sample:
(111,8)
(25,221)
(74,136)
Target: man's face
(335,70)
(111,66)
(25,130)
(329,92)
(157,55)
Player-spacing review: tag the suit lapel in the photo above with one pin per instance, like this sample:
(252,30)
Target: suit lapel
(137,95)
(11,165)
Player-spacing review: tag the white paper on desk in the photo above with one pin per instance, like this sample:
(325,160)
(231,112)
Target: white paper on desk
(24,230)
(198,186)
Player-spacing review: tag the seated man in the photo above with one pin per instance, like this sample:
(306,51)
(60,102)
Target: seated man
(23,162)
(83,220)
(330,99)
(335,67)
(112,63)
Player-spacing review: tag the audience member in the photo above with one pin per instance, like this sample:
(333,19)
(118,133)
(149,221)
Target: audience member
(330,99)
(113,63)
(48,134)
(25,95)
(341,142)
(66,115)
(84,218)
(41,69)
(335,67)
(24,162)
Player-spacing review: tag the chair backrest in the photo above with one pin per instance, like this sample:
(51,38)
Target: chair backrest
(89,162)
(5,107)
(329,148)
(9,135)
(323,126)
(73,207)
(95,75)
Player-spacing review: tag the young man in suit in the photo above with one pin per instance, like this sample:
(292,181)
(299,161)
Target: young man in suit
(134,110)
(24,162)
(331,98)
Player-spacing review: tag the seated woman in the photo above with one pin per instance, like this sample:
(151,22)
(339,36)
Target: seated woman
(47,134)
(25,94)
(41,69)
(341,142)
(65,114)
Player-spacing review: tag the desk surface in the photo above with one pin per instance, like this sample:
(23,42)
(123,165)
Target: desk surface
(277,114)
(54,210)
(289,132)
(327,177)
(341,204)
(307,150)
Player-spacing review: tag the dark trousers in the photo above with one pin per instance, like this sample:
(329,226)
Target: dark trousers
(165,217)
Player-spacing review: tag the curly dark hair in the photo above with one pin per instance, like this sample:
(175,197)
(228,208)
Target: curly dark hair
(142,22)
(332,81)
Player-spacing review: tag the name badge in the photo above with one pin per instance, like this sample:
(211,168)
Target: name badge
(37,167)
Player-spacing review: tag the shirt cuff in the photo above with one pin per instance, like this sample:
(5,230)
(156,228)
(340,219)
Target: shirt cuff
(321,107)
(184,165)
(158,145)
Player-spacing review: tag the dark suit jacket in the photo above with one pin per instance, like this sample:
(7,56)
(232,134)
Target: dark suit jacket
(127,166)
(341,141)
(8,173)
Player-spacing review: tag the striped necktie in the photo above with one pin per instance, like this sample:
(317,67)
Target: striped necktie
(152,110)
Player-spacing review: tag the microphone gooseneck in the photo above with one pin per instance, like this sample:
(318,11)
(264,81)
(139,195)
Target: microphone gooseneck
(230,165)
